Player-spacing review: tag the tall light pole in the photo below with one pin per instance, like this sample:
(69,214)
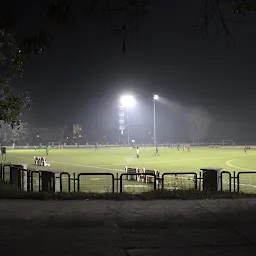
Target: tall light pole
(155,98)
(127,102)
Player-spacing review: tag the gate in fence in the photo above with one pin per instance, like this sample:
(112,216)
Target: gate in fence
(179,181)
(225,184)
(138,182)
(245,182)
(96,182)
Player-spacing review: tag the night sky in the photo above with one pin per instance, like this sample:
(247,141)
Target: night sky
(85,68)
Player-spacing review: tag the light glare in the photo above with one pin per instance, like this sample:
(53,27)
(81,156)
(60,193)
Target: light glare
(128,101)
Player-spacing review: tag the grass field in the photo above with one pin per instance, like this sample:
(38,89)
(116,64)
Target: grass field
(113,160)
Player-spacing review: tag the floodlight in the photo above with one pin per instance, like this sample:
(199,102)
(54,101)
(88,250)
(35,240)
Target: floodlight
(128,101)
(156,97)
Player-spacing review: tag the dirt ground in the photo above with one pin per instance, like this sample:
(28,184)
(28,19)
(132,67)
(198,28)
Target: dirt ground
(129,228)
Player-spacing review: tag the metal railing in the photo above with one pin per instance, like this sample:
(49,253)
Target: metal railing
(245,180)
(222,182)
(180,180)
(101,182)
(139,182)
(30,180)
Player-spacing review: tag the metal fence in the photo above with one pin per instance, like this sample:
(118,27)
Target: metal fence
(179,181)
(30,180)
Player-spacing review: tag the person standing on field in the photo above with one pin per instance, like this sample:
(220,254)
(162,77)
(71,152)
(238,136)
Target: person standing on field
(137,152)
(157,152)
(47,150)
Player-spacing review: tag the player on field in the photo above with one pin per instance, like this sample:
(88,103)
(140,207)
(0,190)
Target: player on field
(47,150)
(245,148)
(96,146)
(178,147)
(188,148)
(137,152)
(183,147)
(157,151)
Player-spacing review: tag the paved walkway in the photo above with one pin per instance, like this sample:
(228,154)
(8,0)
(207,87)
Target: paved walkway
(128,228)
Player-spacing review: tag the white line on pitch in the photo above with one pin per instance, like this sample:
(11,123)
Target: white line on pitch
(111,169)
(241,168)
(237,167)
(168,161)
(88,166)
(95,167)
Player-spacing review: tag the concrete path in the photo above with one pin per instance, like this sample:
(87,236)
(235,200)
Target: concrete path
(128,228)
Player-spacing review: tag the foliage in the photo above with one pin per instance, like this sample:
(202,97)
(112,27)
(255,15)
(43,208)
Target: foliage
(222,13)
(11,67)
(11,105)
(14,134)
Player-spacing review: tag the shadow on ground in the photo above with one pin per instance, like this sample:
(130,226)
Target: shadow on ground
(136,228)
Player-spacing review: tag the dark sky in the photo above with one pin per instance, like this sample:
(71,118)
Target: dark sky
(85,64)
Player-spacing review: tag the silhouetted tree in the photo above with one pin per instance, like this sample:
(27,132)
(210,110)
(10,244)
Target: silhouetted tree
(222,13)
(14,134)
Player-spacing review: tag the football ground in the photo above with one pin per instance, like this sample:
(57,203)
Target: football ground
(170,160)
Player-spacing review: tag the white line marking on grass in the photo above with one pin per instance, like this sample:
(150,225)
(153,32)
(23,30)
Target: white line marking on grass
(80,165)
(135,186)
(241,168)
(228,163)
(88,166)
(168,161)
(103,167)
(247,185)
(241,184)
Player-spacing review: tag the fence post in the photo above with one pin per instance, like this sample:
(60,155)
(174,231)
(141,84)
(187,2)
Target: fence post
(200,181)
(113,183)
(235,182)
(121,183)
(28,181)
(39,183)
(74,179)
(117,182)
(195,177)
(154,182)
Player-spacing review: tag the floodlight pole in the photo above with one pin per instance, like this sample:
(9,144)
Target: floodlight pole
(154,103)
